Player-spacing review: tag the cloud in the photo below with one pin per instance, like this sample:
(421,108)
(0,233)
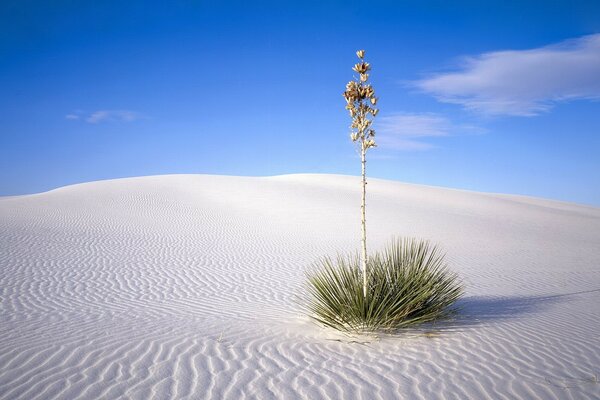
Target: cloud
(406,131)
(112,116)
(400,131)
(522,82)
(99,116)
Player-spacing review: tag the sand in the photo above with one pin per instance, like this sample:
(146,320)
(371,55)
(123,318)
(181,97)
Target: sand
(186,286)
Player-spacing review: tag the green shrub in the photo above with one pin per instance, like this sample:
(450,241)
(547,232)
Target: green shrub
(408,283)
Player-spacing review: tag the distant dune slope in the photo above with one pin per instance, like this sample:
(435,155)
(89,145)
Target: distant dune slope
(186,286)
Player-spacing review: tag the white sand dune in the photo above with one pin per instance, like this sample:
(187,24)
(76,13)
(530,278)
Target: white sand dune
(183,286)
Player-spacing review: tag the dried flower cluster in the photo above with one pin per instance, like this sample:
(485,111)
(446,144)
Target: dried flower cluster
(360,97)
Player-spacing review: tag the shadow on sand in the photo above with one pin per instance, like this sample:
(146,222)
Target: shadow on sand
(476,310)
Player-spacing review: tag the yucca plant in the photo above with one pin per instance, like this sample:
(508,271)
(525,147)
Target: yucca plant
(408,284)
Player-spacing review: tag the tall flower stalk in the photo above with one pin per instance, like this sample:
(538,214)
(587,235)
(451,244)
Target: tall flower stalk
(360,99)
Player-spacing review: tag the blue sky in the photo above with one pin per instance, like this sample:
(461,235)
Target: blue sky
(487,96)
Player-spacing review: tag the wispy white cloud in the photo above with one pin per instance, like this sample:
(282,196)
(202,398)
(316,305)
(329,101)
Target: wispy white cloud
(522,82)
(112,115)
(407,131)
(99,116)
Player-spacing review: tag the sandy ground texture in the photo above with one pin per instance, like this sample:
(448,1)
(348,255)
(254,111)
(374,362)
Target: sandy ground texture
(186,287)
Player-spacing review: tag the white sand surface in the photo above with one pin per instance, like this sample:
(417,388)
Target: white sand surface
(183,286)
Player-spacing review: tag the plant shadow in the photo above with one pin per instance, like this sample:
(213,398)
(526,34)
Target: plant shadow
(477,310)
